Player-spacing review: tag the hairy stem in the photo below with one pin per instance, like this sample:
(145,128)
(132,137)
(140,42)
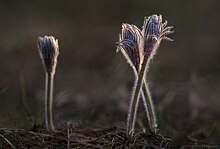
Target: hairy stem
(49,101)
(149,107)
(148,102)
(135,99)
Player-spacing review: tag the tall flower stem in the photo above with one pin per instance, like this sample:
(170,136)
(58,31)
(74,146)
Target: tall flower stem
(148,102)
(135,98)
(49,101)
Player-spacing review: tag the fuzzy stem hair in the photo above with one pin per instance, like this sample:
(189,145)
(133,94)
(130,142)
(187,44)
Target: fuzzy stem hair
(49,101)
(146,97)
(135,99)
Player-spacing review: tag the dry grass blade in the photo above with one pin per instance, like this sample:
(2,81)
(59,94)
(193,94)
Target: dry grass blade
(8,141)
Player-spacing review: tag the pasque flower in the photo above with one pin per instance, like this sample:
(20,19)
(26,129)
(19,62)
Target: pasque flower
(49,50)
(153,32)
(129,43)
(139,47)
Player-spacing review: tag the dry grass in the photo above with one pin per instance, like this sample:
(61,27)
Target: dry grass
(79,137)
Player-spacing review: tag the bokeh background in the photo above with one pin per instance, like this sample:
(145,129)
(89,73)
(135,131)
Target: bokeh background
(93,84)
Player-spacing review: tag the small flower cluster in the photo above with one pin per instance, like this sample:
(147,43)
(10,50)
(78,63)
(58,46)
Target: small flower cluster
(139,47)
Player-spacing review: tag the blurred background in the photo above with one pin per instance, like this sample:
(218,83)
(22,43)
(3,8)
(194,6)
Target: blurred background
(93,83)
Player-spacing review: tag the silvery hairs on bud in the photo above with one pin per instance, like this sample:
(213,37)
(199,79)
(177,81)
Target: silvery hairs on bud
(49,50)
(154,31)
(129,44)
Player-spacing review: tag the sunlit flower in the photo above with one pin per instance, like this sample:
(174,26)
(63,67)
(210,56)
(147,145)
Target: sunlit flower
(129,44)
(153,32)
(49,50)
(139,48)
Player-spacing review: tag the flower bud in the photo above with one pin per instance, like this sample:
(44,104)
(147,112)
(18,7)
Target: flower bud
(49,50)
(129,41)
(154,31)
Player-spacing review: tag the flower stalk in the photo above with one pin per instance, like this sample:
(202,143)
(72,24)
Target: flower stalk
(49,50)
(135,99)
(49,101)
